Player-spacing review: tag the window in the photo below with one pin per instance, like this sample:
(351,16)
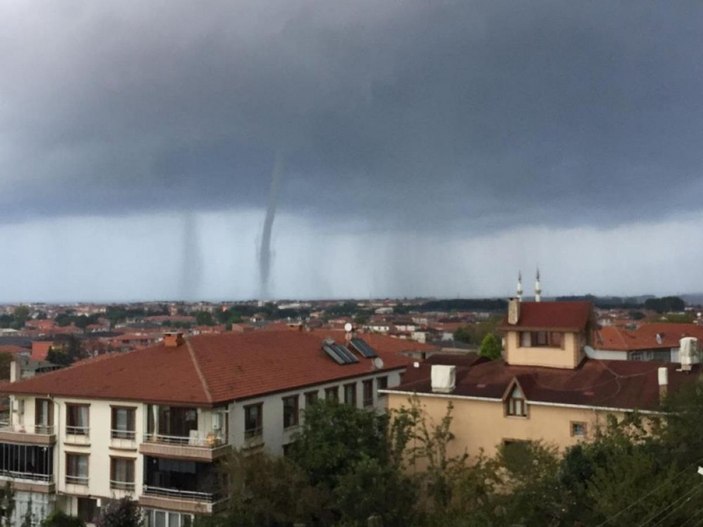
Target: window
(43,416)
(253,420)
(542,339)
(159,518)
(368,392)
(311,398)
(76,469)
(121,473)
(578,429)
(122,422)
(350,394)
(172,422)
(27,461)
(516,405)
(290,411)
(381,384)
(77,422)
(332,394)
(556,339)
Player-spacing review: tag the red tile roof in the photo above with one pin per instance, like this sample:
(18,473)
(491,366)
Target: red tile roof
(645,337)
(211,369)
(607,384)
(11,348)
(568,316)
(40,349)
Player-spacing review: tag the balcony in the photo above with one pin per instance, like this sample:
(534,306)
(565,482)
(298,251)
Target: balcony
(43,435)
(28,481)
(78,435)
(127,486)
(181,500)
(198,446)
(123,439)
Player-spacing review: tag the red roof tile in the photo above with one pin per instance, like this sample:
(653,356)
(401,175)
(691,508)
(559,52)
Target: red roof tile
(645,337)
(573,316)
(211,369)
(40,349)
(608,384)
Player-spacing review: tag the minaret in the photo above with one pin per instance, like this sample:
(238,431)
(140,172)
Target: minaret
(518,291)
(538,288)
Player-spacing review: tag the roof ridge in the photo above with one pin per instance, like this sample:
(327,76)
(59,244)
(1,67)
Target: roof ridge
(206,388)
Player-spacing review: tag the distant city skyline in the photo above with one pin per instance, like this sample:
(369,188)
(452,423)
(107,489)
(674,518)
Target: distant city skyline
(385,149)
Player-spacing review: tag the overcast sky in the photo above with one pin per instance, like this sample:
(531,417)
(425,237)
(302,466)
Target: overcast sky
(424,148)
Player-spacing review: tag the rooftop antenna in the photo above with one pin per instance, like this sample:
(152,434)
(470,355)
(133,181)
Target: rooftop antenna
(348,329)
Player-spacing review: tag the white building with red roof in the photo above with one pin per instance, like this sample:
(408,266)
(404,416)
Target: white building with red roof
(153,423)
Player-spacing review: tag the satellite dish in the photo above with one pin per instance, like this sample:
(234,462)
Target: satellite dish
(348,327)
(378,363)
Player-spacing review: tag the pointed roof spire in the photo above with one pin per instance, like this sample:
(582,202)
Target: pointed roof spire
(538,288)
(518,291)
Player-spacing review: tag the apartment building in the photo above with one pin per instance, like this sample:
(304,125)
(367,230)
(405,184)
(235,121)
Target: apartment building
(544,388)
(154,423)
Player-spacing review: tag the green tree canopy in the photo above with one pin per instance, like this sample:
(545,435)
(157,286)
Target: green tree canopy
(120,513)
(490,347)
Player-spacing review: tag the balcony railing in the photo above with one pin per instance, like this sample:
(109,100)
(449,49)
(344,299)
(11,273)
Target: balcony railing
(31,476)
(253,432)
(196,438)
(129,435)
(190,495)
(76,480)
(6,426)
(198,446)
(122,485)
(78,430)
(27,434)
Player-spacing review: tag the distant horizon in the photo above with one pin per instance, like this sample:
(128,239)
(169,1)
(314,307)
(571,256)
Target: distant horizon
(339,299)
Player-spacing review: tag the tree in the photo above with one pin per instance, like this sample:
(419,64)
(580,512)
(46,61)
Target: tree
(28,518)
(120,513)
(376,489)
(490,347)
(335,437)
(66,352)
(7,504)
(61,519)
(21,314)
(665,304)
(265,491)
(204,318)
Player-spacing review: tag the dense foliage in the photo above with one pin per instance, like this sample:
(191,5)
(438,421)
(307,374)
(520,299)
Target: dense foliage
(665,304)
(350,467)
(120,513)
(491,347)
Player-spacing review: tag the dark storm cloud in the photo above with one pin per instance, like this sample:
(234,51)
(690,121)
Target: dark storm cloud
(451,114)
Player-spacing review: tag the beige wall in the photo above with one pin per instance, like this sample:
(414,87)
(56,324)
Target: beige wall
(483,425)
(570,356)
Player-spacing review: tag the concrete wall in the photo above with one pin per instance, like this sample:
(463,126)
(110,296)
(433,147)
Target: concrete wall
(569,355)
(479,424)
(274,435)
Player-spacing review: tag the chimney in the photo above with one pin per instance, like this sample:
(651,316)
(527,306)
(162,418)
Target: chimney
(688,352)
(513,311)
(173,339)
(14,371)
(443,378)
(663,377)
